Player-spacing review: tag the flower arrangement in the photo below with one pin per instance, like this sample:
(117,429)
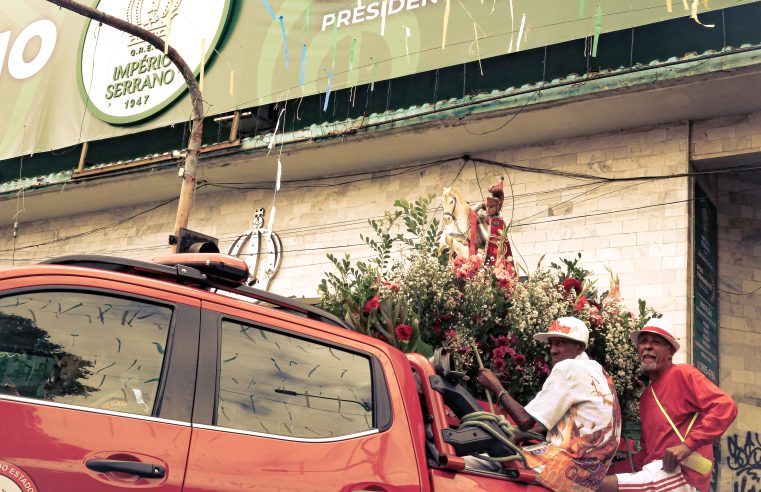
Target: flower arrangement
(414,298)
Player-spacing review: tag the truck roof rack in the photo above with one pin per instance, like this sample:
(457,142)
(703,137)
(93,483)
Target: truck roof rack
(213,271)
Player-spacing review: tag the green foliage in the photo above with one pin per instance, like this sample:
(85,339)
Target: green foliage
(410,296)
(348,292)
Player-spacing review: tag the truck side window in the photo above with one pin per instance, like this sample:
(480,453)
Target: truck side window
(277,384)
(82,349)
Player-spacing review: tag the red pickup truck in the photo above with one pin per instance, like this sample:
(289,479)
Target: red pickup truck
(172,375)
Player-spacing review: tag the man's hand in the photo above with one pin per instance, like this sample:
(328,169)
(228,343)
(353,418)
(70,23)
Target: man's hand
(489,381)
(674,456)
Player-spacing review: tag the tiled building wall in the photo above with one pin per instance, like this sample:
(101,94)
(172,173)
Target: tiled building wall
(728,142)
(639,229)
(739,215)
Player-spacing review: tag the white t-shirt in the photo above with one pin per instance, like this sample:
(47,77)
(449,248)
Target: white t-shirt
(579,408)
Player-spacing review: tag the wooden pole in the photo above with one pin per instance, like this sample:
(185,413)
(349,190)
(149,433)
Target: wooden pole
(194,145)
(83,156)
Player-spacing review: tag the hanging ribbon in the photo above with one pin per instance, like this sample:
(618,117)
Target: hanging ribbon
(272,216)
(407,34)
(372,76)
(327,93)
(598,30)
(309,7)
(446,26)
(694,15)
(351,53)
(520,32)
(581,9)
(274,133)
(285,42)
(303,63)
(512,27)
(166,37)
(669,7)
(269,9)
(478,49)
(384,6)
(279,174)
(232,82)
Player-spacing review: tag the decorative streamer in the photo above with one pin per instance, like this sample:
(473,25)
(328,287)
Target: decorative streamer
(520,32)
(694,15)
(478,49)
(512,27)
(327,93)
(309,7)
(166,38)
(493,6)
(303,64)
(203,51)
(269,9)
(407,34)
(372,76)
(351,53)
(581,9)
(232,82)
(669,6)
(279,174)
(384,6)
(335,42)
(598,30)
(686,7)
(446,25)
(277,126)
(272,216)
(285,42)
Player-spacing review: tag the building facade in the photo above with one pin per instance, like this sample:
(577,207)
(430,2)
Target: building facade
(624,163)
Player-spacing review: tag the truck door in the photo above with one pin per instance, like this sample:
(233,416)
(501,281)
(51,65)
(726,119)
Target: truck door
(284,406)
(93,386)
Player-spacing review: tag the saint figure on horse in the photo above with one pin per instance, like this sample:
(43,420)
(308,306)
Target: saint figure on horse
(480,228)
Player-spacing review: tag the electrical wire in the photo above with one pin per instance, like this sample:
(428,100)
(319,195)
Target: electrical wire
(522,222)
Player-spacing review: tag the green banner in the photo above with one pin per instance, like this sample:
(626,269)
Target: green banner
(65,80)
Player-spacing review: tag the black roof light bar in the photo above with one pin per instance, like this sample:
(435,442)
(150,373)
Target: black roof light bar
(207,275)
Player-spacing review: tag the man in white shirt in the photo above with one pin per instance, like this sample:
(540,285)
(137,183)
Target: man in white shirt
(578,408)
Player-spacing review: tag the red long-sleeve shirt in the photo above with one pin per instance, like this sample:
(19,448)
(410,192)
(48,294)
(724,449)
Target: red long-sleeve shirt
(683,390)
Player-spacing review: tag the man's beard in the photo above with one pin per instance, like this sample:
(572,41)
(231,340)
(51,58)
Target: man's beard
(648,365)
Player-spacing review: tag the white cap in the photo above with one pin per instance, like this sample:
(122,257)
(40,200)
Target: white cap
(568,327)
(659,326)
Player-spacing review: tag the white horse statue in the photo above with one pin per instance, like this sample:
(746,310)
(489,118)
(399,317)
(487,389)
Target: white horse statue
(461,235)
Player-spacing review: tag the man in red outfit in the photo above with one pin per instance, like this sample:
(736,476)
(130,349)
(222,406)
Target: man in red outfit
(682,414)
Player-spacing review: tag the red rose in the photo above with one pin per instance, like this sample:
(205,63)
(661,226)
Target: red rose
(371,304)
(403,332)
(571,283)
(581,303)
(519,359)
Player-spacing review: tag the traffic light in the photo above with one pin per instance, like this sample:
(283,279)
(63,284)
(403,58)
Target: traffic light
(194,242)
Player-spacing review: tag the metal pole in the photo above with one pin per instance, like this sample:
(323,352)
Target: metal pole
(194,145)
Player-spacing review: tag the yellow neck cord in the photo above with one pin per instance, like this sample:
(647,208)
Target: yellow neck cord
(663,410)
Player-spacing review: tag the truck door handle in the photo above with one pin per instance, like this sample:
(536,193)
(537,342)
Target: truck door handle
(145,470)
